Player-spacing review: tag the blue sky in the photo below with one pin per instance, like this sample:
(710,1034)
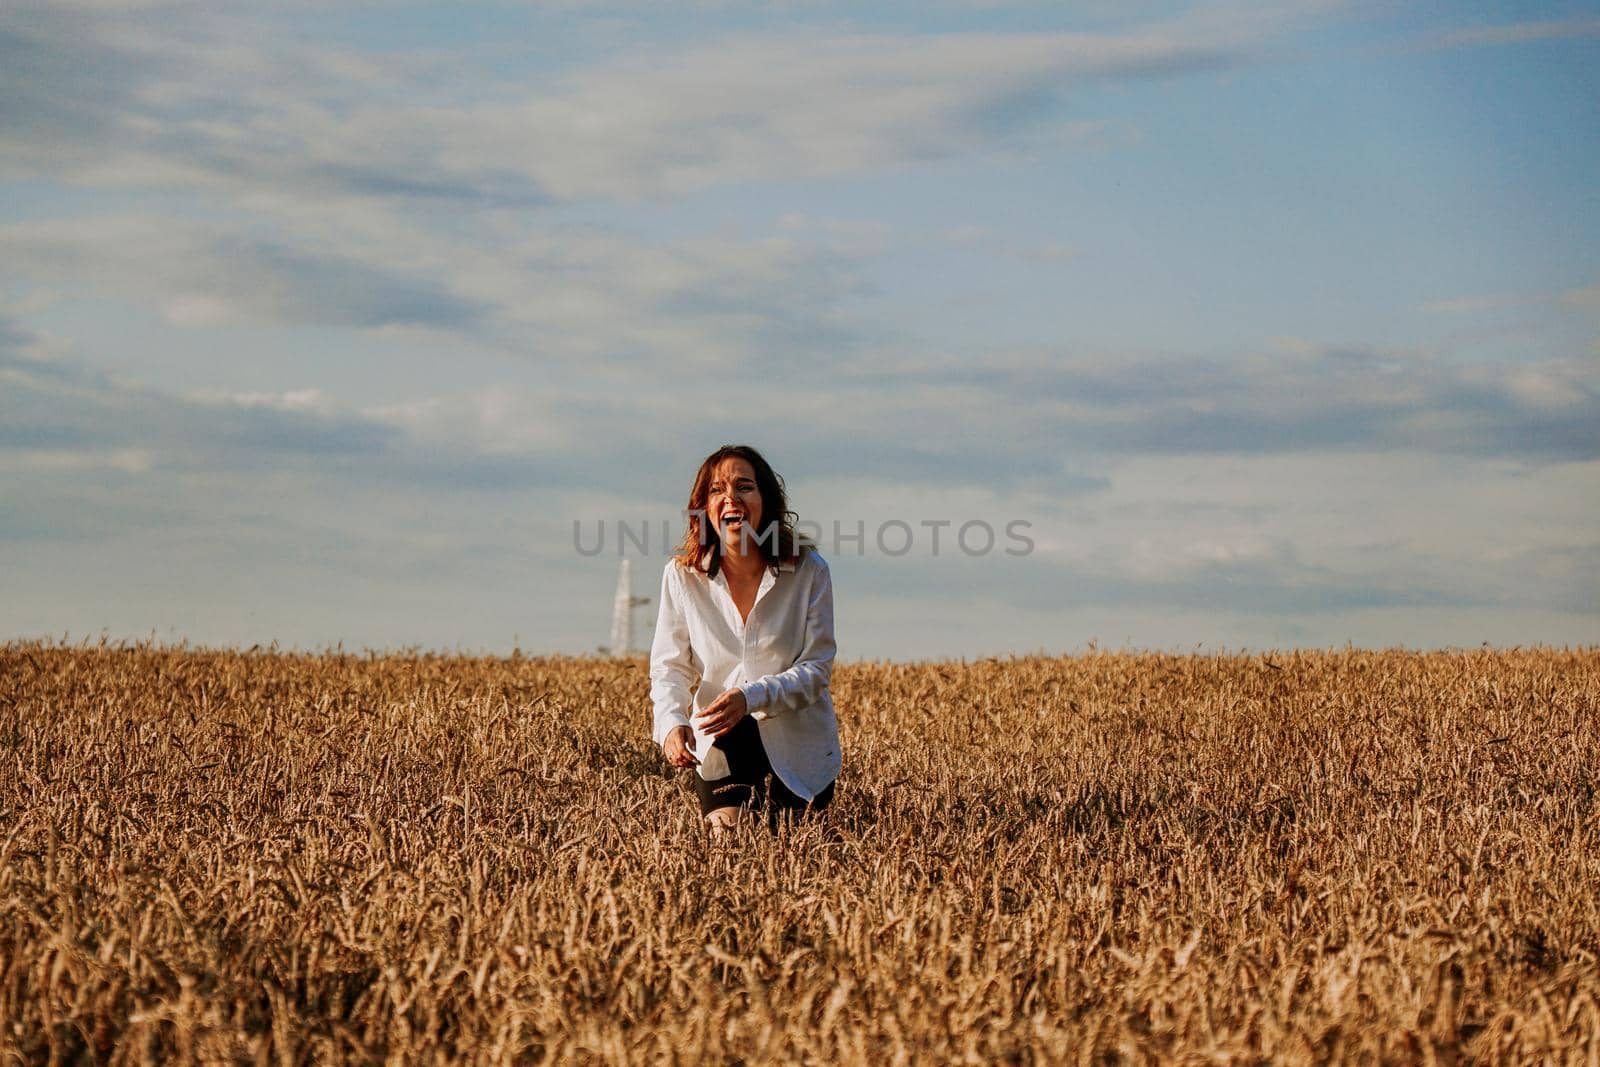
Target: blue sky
(1277,324)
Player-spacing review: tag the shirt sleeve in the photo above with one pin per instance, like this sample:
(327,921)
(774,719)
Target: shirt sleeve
(804,683)
(674,668)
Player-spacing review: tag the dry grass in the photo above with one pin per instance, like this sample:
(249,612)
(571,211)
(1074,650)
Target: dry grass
(281,858)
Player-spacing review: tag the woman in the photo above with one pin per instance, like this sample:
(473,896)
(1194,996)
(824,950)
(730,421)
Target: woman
(746,627)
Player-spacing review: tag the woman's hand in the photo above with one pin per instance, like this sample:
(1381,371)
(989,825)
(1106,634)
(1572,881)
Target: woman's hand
(679,747)
(723,714)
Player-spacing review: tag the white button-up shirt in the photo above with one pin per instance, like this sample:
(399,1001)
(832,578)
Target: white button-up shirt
(781,658)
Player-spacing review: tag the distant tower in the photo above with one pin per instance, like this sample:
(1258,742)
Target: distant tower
(622,612)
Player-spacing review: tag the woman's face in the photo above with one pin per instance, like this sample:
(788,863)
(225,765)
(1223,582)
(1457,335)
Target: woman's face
(733,505)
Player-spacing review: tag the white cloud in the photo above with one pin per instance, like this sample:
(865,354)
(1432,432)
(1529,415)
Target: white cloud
(1587,297)
(541,292)
(209,111)
(200,273)
(1580,298)
(311,401)
(1520,33)
(1551,386)
(76,460)
(813,106)
(1325,399)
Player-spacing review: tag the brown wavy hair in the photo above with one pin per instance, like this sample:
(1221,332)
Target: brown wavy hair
(786,545)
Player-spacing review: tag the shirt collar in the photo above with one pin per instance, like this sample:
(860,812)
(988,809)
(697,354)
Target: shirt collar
(785,566)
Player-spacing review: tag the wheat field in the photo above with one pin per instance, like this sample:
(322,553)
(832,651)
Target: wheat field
(1345,856)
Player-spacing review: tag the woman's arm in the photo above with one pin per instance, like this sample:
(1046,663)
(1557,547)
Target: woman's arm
(803,684)
(674,668)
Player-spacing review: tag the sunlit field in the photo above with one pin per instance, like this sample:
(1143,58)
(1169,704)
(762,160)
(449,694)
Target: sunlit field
(262,857)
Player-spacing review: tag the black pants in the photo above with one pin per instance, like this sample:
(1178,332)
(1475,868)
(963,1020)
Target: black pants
(750,783)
